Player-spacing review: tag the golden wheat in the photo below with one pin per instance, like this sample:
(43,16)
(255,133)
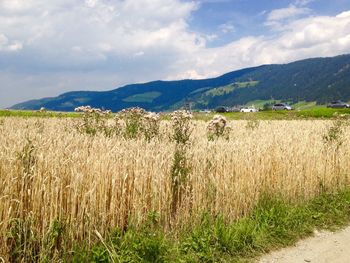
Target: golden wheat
(49,171)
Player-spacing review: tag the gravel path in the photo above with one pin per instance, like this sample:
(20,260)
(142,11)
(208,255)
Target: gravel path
(324,247)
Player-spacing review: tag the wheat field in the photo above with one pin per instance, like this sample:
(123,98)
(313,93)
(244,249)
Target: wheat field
(49,171)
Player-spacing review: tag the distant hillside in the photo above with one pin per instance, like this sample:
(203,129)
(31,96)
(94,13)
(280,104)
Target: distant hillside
(317,79)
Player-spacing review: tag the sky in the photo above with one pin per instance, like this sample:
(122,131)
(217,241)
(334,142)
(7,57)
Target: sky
(51,47)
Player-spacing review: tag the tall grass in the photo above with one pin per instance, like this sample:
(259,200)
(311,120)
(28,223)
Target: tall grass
(60,187)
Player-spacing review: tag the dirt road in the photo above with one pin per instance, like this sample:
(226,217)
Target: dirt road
(324,247)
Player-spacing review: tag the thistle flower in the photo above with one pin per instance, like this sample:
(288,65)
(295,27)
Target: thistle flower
(180,115)
(133,111)
(89,109)
(216,127)
(181,122)
(151,116)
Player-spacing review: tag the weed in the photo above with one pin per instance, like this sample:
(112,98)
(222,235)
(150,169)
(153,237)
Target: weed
(93,121)
(333,141)
(134,245)
(217,128)
(53,242)
(132,118)
(182,130)
(334,135)
(150,126)
(22,241)
(180,171)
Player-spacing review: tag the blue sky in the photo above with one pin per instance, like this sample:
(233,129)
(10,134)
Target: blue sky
(51,47)
(233,19)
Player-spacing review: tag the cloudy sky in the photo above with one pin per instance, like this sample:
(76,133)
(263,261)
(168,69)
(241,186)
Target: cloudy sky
(48,47)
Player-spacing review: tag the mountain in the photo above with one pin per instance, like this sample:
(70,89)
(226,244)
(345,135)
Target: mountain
(316,79)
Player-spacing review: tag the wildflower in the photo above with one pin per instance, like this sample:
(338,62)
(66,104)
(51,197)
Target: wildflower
(181,121)
(217,127)
(89,109)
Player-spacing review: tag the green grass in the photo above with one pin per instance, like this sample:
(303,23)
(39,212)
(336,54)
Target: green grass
(246,84)
(321,112)
(228,89)
(28,113)
(274,223)
(220,91)
(200,90)
(260,103)
(314,113)
(304,105)
(147,97)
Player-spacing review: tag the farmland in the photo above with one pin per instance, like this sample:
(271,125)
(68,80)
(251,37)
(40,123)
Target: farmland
(68,183)
(304,114)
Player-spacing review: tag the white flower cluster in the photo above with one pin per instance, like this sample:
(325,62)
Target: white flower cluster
(217,127)
(89,109)
(133,111)
(151,116)
(218,122)
(180,115)
(139,113)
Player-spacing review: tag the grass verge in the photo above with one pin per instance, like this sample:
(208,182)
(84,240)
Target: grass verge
(274,223)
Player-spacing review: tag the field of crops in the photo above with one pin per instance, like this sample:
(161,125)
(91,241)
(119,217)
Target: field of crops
(58,172)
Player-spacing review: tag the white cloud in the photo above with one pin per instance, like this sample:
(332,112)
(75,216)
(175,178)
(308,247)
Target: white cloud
(16,5)
(139,54)
(3,40)
(227,28)
(291,11)
(9,46)
(303,2)
(278,17)
(301,38)
(91,3)
(49,47)
(344,15)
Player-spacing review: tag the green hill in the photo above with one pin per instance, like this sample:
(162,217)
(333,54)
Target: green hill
(317,80)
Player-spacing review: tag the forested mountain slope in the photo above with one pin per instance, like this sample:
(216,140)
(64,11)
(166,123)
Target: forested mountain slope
(317,79)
